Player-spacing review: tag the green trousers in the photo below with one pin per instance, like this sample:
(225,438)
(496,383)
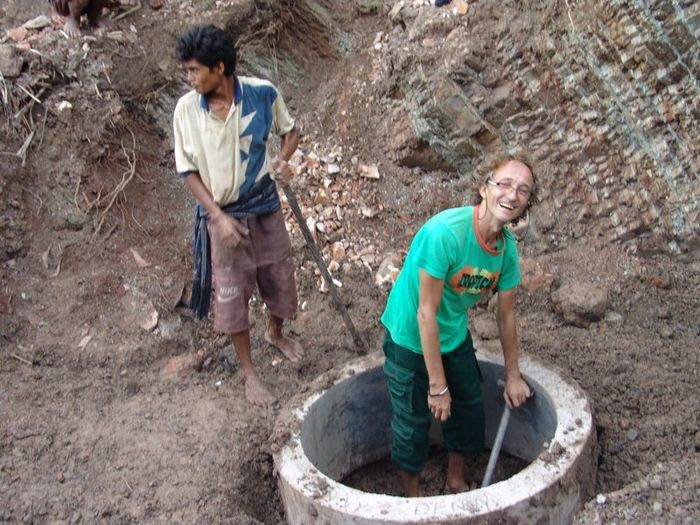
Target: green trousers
(407,381)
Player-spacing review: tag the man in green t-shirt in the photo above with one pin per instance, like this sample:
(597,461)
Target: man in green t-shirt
(457,256)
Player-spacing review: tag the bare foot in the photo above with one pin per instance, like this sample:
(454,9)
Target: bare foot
(291,349)
(456,486)
(255,391)
(72,27)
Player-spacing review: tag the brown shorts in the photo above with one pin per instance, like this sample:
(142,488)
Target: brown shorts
(266,260)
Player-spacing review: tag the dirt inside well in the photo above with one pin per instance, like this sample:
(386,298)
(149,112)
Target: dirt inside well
(382,476)
(117,407)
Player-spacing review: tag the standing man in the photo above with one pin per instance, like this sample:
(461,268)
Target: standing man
(456,257)
(221,130)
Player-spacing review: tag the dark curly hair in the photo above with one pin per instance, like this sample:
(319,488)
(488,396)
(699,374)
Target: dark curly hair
(486,170)
(209,45)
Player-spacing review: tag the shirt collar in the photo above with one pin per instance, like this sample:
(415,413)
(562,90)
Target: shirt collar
(204,102)
(236,90)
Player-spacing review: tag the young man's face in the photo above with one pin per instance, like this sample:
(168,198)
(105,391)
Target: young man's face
(203,79)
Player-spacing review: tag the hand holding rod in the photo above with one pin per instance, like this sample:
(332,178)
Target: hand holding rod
(498,441)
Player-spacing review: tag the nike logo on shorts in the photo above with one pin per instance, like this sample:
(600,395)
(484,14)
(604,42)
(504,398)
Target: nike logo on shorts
(227,294)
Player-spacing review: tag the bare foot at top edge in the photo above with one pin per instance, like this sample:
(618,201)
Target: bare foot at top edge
(71,27)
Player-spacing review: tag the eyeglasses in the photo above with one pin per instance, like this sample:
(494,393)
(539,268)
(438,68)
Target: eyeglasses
(507,185)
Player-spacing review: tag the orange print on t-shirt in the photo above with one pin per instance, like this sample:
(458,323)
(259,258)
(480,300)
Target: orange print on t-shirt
(473,280)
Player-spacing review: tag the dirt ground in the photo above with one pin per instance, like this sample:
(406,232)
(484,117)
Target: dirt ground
(117,407)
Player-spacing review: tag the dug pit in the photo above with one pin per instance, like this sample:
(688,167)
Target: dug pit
(342,426)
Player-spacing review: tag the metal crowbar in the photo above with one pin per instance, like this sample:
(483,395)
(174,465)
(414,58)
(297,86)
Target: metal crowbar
(296,210)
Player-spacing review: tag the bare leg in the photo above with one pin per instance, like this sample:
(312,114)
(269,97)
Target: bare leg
(291,349)
(94,14)
(411,484)
(255,390)
(455,474)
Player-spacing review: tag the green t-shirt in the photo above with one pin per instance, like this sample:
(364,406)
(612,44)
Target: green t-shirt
(447,248)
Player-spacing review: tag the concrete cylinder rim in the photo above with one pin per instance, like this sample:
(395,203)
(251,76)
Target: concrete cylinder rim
(574,425)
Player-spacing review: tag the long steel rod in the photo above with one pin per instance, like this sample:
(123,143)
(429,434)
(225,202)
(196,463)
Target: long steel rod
(496,449)
(315,252)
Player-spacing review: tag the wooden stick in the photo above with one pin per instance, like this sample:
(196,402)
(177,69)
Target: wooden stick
(21,359)
(22,152)
(29,93)
(296,210)
(127,13)
(30,104)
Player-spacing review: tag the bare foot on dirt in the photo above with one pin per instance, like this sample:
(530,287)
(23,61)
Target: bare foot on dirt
(255,391)
(291,349)
(72,27)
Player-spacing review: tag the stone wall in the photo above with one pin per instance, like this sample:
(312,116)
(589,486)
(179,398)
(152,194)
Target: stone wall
(604,94)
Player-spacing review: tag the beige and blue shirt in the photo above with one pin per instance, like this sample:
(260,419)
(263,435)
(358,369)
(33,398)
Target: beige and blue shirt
(229,155)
